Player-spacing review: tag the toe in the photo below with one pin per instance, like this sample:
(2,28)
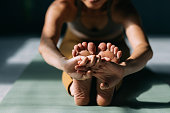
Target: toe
(81,47)
(119,54)
(91,48)
(76,48)
(109,46)
(84,44)
(112,48)
(74,53)
(102,47)
(116,49)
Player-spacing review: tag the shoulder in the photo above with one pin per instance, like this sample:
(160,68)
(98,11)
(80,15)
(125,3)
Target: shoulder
(64,9)
(124,11)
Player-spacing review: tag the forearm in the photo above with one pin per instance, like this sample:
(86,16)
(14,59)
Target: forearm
(59,12)
(137,60)
(51,53)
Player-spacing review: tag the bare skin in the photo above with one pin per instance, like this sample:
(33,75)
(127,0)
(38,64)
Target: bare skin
(61,11)
(104,96)
(82,88)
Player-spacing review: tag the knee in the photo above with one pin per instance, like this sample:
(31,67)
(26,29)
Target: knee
(81,101)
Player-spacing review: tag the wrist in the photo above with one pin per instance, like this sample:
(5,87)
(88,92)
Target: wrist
(62,63)
(128,67)
(124,69)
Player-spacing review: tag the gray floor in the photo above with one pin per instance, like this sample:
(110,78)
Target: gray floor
(18,52)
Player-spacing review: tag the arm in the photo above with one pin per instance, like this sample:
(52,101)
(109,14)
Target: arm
(110,73)
(59,12)
(54,19)
(142,51)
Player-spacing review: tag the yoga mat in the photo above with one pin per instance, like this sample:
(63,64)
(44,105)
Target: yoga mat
(40,90)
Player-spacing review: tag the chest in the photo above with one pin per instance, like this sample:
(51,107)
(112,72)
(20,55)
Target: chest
(91,20)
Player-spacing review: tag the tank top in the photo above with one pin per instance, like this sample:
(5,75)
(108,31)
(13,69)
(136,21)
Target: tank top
(110,28)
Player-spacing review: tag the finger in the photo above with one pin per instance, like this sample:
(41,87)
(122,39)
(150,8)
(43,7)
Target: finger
(99,59)
(106,59)
(104,86)
(84,61)
(88,74)
(109,46)
(79,62)
(81,46)
(91,48)
(102,47)
(80,74)
(85,77)
(93,60)
(84,44)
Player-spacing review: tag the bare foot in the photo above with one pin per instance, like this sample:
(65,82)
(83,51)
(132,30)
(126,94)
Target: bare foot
(80,89)
(84,49)
(112,52)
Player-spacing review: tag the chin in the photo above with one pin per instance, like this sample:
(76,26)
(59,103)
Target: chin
(94,4)
(93,7)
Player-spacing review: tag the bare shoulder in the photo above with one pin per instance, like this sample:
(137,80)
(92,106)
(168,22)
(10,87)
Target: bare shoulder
(64,9)
(124,12)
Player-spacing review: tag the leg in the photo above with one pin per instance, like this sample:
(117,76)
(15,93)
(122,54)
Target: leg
(66,47)
(104,97)
(80,89)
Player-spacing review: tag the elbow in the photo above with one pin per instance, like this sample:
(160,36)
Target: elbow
(40,49)
(41,46)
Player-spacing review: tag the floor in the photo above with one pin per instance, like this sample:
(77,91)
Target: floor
(18,51)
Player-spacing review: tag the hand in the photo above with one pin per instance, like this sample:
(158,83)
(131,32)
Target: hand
(70,68)
(108,72)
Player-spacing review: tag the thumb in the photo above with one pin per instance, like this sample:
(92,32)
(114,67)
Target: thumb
(104,86)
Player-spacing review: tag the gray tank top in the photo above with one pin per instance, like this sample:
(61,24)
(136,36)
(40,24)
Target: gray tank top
(110,28)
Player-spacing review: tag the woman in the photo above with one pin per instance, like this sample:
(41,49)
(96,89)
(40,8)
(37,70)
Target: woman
(94,21)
